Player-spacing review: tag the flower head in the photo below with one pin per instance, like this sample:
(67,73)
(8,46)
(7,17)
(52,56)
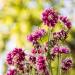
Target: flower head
(41,65)
(50,17)
(60,49)
(16,56)
(66,64)
(61,35)
(66,21)
(36,35)
(12,72)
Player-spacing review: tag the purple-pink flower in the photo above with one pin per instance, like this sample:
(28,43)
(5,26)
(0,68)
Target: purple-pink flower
(60,35)
(12,72)
(60,49)
(16,56)
(36,35)
(50,17)
(66,64)
(40,64)
(66,21)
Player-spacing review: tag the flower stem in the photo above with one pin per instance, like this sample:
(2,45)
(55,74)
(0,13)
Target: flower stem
(59,62)
(48,53)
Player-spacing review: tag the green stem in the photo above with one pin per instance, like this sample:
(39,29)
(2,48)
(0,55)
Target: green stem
(48,54)
(59,63)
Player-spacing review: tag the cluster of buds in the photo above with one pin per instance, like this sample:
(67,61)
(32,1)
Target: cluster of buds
(41,56)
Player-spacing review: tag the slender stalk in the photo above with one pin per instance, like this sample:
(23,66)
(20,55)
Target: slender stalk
(48,54)
(59,62)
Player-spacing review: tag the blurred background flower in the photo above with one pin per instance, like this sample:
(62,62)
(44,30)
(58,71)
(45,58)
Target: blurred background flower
(20,17)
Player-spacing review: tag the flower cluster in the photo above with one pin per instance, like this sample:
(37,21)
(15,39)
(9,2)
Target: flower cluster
(16,56)
(60,49)
(66,64)
(36,35)
(41,66)
(61,35)
(12,72)
(50,17)
(41,56)
(16,59)
(66,21)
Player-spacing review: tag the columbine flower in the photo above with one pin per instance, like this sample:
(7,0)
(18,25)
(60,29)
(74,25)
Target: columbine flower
(16,56)
(12,72)
(50,17)
(36,35)
(66,21)
(66,64)
(41,65)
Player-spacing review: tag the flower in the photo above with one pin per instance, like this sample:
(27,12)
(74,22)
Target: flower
(36,35)
(12,72)
(60,35)
(60,49)
(16,56)
(41,65)
(50,17)
(9,58)
(64,50)
(66,21)
(66,64)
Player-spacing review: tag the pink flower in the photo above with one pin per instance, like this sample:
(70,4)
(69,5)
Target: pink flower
(36,35)
(60,49)
(16,56)
(12,72)
(41,65)
(66,64)
(61,35)
(66,21)
(50,17)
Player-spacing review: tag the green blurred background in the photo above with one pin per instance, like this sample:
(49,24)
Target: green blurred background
(19,17)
